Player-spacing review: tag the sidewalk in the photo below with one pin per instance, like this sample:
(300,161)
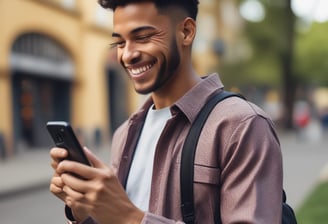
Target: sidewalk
(25,171)
(29,170)
(305,163)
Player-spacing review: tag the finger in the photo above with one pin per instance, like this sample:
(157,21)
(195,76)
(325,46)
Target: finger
(75,183)
(72,196)
(54,164)
(79,169)
(57,181)
(56,184)
(58,154)
(55,189)
(97,163)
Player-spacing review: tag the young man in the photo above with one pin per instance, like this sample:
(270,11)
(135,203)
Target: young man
(238,164)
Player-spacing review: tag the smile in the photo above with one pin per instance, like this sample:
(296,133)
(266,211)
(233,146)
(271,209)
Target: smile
(142,69)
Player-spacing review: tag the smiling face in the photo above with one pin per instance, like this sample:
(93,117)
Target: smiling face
(146,45)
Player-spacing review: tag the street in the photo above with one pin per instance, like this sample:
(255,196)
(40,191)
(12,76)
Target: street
(34,207)
(304,158)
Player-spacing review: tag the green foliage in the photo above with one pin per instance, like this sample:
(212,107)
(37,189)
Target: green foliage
(315,207)
(311,55)
(265,39)
(268,42)
(260,72)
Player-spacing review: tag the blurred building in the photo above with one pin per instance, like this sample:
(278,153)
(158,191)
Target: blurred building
(219,27)
(55,64)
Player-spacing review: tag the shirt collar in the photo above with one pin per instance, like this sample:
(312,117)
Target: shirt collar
(192,102)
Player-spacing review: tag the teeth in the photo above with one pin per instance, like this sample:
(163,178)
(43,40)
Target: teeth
(136,71)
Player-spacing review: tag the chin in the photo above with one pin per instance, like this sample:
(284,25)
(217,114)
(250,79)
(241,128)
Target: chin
(143,91)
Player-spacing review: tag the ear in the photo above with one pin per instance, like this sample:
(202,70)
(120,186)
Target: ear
(188,31)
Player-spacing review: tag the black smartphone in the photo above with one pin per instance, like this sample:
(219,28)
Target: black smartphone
(63,135)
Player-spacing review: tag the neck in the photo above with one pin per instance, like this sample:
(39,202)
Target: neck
(177,86)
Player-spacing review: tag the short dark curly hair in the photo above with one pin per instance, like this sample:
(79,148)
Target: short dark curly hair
(190,6)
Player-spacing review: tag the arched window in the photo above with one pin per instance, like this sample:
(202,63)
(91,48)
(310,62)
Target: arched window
(41,55)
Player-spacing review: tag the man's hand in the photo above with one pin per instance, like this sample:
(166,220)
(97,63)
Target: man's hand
(92,191)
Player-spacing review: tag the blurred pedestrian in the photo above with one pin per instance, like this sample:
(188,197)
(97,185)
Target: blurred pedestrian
(324,119)
(301,117)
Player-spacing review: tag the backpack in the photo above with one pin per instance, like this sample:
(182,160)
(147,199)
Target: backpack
(187,165)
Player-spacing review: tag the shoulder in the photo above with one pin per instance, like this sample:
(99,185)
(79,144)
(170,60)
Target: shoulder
(235,118)
(236,109)
(240,128)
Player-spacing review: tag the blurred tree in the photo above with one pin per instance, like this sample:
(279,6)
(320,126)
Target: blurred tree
(311,53)
(271,58)
(286,56)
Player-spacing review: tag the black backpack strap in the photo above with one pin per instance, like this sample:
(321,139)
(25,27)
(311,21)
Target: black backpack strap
(188,156)
(288,214)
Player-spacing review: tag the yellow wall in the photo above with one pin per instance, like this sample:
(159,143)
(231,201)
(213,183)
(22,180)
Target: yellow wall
(5,110)
(91,109)
(84,41)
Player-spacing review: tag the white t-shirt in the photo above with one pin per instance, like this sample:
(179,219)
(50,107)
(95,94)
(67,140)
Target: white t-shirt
(140,176)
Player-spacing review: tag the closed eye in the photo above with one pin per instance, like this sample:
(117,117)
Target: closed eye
(143,38)
(118,44)
(139,39)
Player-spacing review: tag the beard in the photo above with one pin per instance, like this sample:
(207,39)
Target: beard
(167,69)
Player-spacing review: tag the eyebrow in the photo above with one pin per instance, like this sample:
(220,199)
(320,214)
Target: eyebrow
(134,31)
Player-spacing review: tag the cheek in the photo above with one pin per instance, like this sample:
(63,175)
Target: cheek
(161,43)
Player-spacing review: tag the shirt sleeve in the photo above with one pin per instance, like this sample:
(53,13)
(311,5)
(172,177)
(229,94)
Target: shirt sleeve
(149,218)
(251,190)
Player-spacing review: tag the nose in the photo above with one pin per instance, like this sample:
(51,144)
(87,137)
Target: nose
(130,54)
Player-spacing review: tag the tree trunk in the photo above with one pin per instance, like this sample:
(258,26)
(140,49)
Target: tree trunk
(289,82)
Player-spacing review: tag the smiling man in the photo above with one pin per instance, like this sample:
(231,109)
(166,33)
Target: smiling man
(147,48)
(238,165)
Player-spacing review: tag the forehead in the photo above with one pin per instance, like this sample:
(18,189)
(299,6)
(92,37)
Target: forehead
(136,15)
